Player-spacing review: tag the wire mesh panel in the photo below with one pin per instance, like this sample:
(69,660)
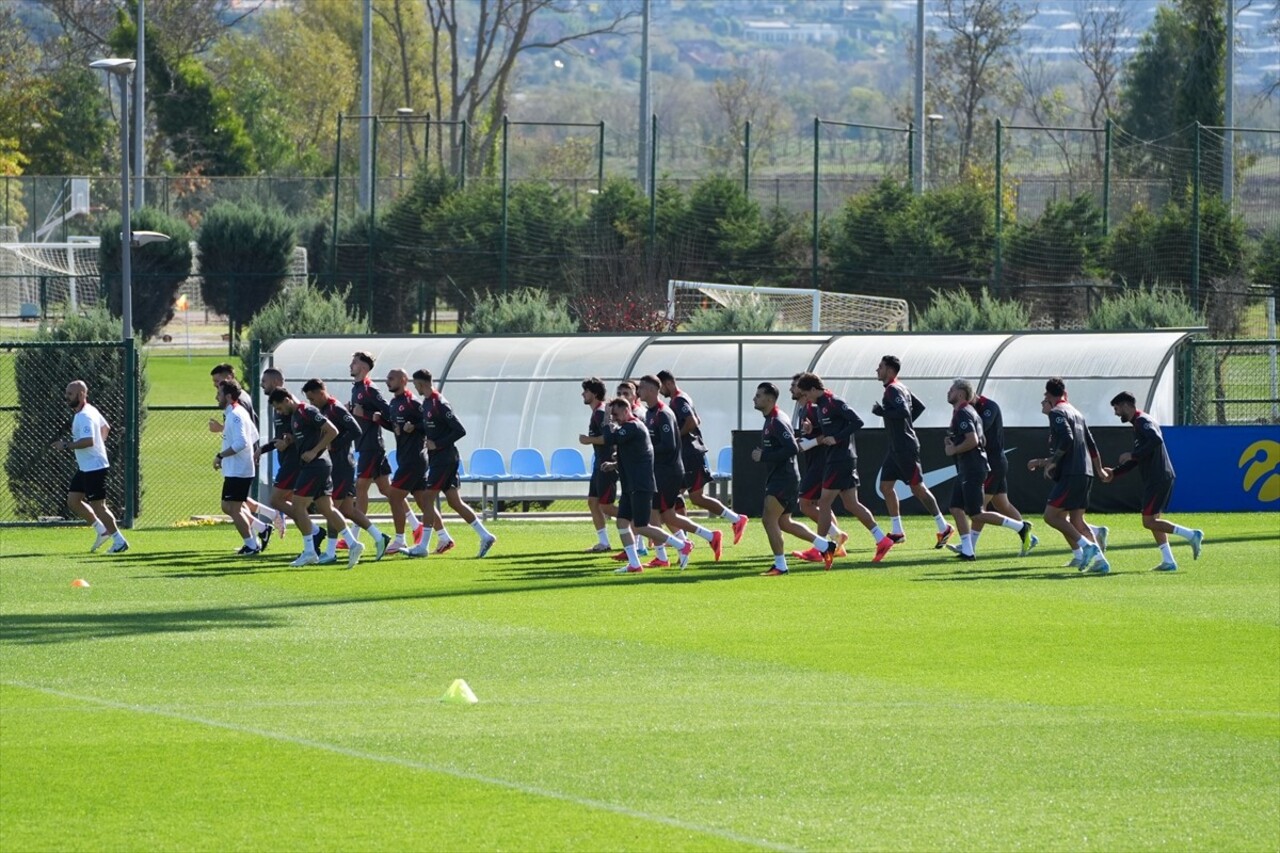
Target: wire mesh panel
(850,158)
(1233,382)
(34,414)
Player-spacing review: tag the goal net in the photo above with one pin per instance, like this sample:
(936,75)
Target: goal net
(795,309)
(64,277)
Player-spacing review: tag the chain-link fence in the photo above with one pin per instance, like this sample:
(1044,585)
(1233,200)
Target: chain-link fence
(1231,382)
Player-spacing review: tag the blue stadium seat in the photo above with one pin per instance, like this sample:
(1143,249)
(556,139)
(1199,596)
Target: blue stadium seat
(567,464)
(487,464)
(724,463)
(527,464)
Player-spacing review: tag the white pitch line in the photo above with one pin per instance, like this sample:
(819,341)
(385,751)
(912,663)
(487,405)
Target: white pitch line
(412,765)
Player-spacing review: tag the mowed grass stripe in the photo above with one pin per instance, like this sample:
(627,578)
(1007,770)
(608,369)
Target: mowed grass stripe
(342,805)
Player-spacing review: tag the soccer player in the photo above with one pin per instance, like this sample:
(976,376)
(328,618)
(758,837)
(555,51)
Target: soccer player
(966,444)
(441,432)
(312,433)
(87,493)
(899,409)
(403,417)
(808,430)
(1072,461)
(261,515)
(778,451)
(235,461)
(840,470)
(995,489)
(634,464)
(1151,458)
(668,471)
(281,443)
(603,488)
(693,455)
(369,409)
(344,471)
(627,391)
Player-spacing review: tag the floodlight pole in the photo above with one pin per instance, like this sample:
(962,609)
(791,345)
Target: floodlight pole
(122,70)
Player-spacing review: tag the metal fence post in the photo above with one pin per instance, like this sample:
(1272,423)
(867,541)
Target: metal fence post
(373,214)
(998,270)
(1106,179)
(1195,225)
(502,257)
(746,157)
(131,454)
(337,192)
(600,162)
(817,135)
(653,182)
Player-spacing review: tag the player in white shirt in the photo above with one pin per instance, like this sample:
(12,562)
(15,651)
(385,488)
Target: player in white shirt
(235,461)
(87,493)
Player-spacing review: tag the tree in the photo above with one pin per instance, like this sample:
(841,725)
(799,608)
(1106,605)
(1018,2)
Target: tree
(158,269)
(301,310)
(11,163)
(972,66)
(1098,51)
(747,94)
(70,133)
(245,252)
(475,45)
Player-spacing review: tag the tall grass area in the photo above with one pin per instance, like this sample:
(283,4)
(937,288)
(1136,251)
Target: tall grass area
(188,699)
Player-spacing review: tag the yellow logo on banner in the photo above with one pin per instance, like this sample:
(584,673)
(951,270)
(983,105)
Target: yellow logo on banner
(1263,460)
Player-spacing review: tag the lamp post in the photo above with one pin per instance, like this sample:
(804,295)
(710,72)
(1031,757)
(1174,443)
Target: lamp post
(122,69)
(403,113)
(933,119)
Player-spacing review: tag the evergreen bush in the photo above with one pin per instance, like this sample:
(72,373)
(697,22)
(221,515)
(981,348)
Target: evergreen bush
(746,316)
(158,269)
(957,311)
(524,311)
(301,310)
(245,252)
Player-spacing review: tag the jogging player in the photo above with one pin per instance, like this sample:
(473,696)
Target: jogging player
(778,451)
(668,471)
(312,433)
(995,489)
(900,409)
(343,468)
(87,493)
(1151,458)
(693,455)
(370,409)
(235,461)
(602,491)
(1071,464)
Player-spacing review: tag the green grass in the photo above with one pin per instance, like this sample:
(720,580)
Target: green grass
(190,700)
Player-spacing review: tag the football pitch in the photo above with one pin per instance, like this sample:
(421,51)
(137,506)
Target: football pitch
(188,699)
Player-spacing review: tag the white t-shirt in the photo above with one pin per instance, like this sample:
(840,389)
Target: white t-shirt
(89,423)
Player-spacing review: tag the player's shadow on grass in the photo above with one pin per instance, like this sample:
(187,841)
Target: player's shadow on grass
(1014,573)
(43,628)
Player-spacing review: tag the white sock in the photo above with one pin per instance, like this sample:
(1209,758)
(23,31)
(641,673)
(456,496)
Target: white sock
(478,527)
(632,560)
(250,543)
(348,536)
(877,534)
(835,532)
(399,539)
(118,538)
(941,522)
(99,527)
(331,547)
(1082,543)
(309,544)
(780,562)
(257,525)
(1011,524)
(896,523)
(603,536)
(966,545)
(703,532)
(661,552)
(413,520)
(730,515)
(1184,532)
(1077,553)
(374,531)
(820,542)
(973,535)
(1166,550)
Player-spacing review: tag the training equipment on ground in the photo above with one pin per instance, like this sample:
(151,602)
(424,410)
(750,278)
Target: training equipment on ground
(459,693)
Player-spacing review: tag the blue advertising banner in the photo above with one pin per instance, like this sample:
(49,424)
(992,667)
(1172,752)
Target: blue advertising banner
(1224,468)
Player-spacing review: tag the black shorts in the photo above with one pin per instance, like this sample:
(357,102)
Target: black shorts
(442,472)
(410,478)
(344,480)
(696,478)
(668,494)
(966,495)
(1155,496)
(786,493)
(997,482)
(372,464)
(840,474)
(1071,492)
(314,479)
(811,482)
(635,507)
(901,467)
(236,489)
(603,486)
(92,484)
(286,478)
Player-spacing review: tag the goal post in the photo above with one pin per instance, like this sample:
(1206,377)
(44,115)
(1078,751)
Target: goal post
(796,309)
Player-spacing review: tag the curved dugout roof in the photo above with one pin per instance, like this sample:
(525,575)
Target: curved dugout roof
(525,391)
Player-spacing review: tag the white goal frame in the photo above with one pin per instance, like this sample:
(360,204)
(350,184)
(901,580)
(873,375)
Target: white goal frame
(894,314)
